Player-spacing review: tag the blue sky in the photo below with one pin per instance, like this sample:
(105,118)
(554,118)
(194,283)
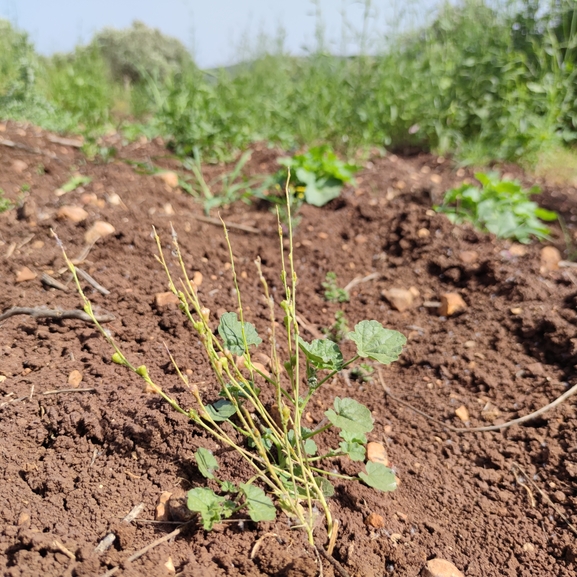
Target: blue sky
(217,31)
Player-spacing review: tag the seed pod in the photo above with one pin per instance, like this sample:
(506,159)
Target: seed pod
(118,359)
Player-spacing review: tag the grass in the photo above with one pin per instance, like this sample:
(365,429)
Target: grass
(481,81)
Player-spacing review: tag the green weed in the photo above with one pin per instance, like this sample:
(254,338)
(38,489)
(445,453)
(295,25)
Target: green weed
(5,203)
(289,471)
(333,293)
(502,207)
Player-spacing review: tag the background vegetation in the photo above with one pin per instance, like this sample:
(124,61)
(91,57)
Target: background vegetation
(482,80)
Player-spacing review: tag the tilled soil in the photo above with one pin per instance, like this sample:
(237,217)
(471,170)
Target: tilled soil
(75,463)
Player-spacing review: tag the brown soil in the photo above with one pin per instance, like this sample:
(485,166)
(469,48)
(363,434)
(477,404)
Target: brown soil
(73,464)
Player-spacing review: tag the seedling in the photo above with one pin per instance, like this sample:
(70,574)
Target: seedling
(5,204)
(333,293)
(502,207)
(362,373)
(289,473)
(74,182)
(339,329)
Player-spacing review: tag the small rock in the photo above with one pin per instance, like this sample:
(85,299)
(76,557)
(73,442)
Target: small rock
(516,311)
(19,166)
(74,214)
(399,299)
(92,199)
(469,256)
(168,210)
(559,496)
(261,368)
(170,566)
(323,235)
(161,511)
(436,178)
(517,250)
(25,274)
(98,230)
(375,521)
(470,344)
(440,568)
(528,547)
(165,299)
(376,453)
(490,412)
(463,413)
(114,199)
(423,233)
(415,292)
(75,378)
(38,244)
(23,518)
(536,369)
(169,178)
(197,278)
(361,239)
(451,303)
(550,257)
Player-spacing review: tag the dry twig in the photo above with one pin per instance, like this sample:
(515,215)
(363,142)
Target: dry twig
(338,567)
(38,313)
(360,279)
(31,149)
(518,421)
(47,280)
(111,537)
(58,391)
(83,274)
(219,222)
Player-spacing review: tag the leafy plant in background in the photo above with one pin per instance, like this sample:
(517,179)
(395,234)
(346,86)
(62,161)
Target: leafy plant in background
(334,293)
(339,329)
(266,409)
(502,207)
(5,203)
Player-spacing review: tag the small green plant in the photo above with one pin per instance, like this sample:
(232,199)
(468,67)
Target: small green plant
(502,207)
(339,329)
(5,204)
(232,185)
(333,293)
(260,414)
(75,182)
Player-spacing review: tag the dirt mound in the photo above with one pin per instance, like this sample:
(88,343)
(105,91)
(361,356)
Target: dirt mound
(75,463)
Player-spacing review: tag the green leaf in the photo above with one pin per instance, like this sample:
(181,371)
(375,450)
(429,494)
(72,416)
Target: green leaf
(228,487)
(545,214)
(241,390)
(350,416)
(355,451)
(379,477)
(206,462)
(353,437)
(322,354)
(221,410)
(211,507)
(376,342)
(325,486)
(260,506)
(75,182)
(230,330)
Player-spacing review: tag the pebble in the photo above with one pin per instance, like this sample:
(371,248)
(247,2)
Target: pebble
(517,250)
(169,178)
(23,518)
(490,412)
(170,566)
(376,453)
(75,378)
(165,299)
(72,213)
(25,274)
(528,547)
(436,178)
(470,344)
(516,310)
(375,521)
(114,199)
(98,230)
(323,235)
(19,166)
(451,303)
(197,278)
(463,413)
(400,299)
(469,256)
(440,568)
(161,511)
(423,233)
(550,257)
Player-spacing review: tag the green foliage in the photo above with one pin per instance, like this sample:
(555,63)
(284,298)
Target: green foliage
(350,416)
(322,354)
(339,329)
(206,463)
(5,204)
(502,207)
(333,293)
(379,477)
(377,343)
(317,176)
(74,182)
(138,52)
(237,336)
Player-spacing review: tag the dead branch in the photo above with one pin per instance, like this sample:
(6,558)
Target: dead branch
(30,149)
(360,279)
(58,391)
(518,421)
(338,567)
(83,274)
(218,222)
(47,280)
(38,313)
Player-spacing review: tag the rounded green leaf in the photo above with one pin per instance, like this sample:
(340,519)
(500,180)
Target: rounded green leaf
(379,477)
(376,342)
(349,415)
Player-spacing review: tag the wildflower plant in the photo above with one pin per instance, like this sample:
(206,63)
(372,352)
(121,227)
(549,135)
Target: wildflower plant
(289,473)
